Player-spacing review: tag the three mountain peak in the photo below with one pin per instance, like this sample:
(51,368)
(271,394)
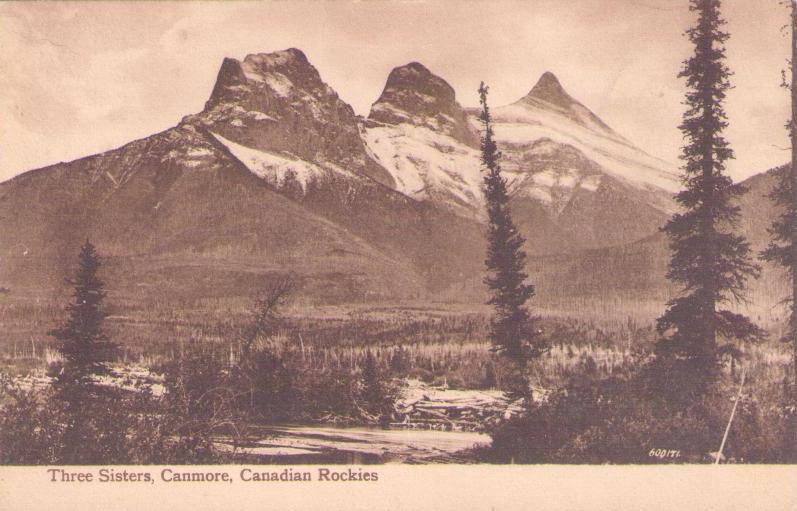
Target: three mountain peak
(412,77)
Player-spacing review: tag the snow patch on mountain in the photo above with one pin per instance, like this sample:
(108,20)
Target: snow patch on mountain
(251,75)
(553,187)
(260,116)
(274,59)
(521,123)
(190,150)
(428,165)
(199,152)
(274,167)
(549,94)
(257,67)
(279,83)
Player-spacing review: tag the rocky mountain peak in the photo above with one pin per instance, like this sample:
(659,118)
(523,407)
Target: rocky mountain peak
(415,95)
(549,94)
(549,89)
(279,58)
(291,62)
(282,74)
(277,102)
(230,75)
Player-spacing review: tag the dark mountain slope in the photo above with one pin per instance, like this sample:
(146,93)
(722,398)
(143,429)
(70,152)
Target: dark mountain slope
(174,202)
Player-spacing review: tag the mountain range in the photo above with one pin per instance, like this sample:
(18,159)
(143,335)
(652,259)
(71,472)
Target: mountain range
(278,174)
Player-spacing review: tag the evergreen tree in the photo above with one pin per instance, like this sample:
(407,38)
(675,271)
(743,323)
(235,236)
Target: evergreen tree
(85,347)
(782,248)
(372,380)
(86,351)
(512,329)
(709,261)
(399,361)
(378,394)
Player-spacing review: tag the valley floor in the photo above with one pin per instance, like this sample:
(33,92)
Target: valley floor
(435,355)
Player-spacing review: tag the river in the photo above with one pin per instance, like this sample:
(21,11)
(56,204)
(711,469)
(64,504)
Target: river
(294,444)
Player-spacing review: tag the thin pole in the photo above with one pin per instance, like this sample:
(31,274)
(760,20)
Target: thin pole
(730,420)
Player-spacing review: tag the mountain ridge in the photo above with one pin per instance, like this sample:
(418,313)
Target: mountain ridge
(278,175)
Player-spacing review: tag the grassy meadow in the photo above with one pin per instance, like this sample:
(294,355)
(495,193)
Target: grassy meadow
(437,343)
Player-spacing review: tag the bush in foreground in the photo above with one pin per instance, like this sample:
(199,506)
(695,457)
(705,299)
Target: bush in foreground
(37,427)
(617,420)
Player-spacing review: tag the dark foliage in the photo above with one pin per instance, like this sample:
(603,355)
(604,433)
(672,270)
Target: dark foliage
(198,390)
(268,379)
(86,352)
(378,395)
(783,244)
(709,261)
(782,248)
(616,420)
(266,315)
(259,376)
(85,347)
(399,361)
(37,427)
(276,395)
(512,329)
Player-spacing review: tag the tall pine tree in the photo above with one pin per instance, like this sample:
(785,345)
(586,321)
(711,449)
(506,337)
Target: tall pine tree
(782,248)
(512,329)
(85,347)
(709,261)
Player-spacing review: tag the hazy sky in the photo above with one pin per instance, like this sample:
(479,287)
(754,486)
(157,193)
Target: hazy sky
(80,78)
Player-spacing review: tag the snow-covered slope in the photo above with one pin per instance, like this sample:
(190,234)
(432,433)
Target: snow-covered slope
(428,166)
(560,150)
(276,168)
(581,175)
(544,114)
(422,136)
(207,210)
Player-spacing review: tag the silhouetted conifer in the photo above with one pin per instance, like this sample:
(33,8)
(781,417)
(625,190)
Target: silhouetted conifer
(782,248)
(709,261)
(512,329)
(81,340)
(372,380)
(86,352)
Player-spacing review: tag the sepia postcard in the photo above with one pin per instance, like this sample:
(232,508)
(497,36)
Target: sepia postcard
(400,254)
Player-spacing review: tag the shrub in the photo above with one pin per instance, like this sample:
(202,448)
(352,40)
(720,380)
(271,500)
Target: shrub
(30,431)
(39,426)
(618,420)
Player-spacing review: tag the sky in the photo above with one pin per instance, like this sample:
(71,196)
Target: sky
(82,78)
